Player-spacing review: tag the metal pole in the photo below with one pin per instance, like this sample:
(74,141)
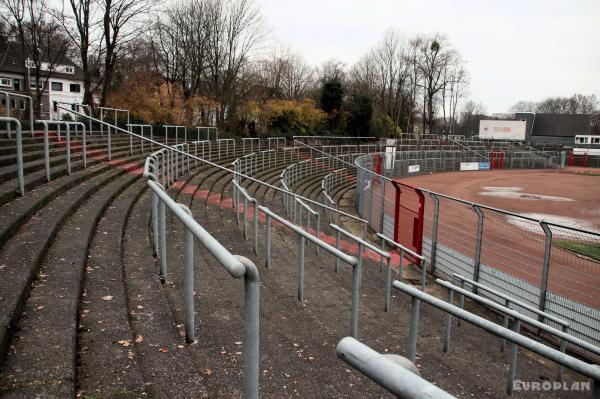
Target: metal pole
(46,152)
(434,230)
(245,218)
(109,143)
(337,246)
(477,258)
(188,284)
(356,276)
(388,283)
(411,350)
(162,231)
(255,222)
(301,271)
(68,149)
(512,367)
(251,335)
(155,222)
(546,269)
(448,324)
(268,242)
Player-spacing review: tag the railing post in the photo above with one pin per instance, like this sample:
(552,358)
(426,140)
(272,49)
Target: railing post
(188,281)
(301,271)
(337,246)
(318,232)
(268,242)
(388,284)
(476,261)
(68,138)
(245,218)
(109,142)
(545,270)
(356,277)
(411,350)
(162,231)
(562,348)
(84,145)
(512,367)
(255,223)
(448,324)
(155,233)
(434,230)
(46,152)
(251,330)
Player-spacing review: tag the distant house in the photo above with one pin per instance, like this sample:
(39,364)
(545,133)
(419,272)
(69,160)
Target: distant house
(65,82)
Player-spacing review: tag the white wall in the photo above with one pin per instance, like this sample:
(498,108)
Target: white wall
(64,96)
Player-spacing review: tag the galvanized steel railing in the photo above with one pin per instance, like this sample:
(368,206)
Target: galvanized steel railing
(514,335)
(142,127)
(19,139)
(8,94)
(46,123)
(393,372)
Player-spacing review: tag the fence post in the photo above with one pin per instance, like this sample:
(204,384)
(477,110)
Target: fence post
(255,223)
(545,270)
(188,281)
(68,149)
(337,246)
(268,242)
(448,323)
(512,367)
(155,222)
(301,271)
(476,261)
(411,351)
(162,231)
(356,276)
(434,230)
(383,184)
(245,218)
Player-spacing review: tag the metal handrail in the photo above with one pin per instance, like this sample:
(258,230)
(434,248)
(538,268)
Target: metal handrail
(516,315)
(20,176)
(142,127)
(8,94)
(304,236)
(226,142)
(208,129)
(176,127)
(403,251)
(247,198)
(403,382)
(236,266)
(513,336)
(251,141)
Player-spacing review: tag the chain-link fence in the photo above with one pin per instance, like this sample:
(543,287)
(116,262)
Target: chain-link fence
(552,267)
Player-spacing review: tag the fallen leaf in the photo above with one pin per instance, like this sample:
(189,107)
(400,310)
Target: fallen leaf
(124,342)
(238,342)
(206,371)
(180,346)
(163,350)
(139,339)
(107,298)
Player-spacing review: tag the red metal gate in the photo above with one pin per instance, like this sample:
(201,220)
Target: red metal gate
(408,220)
(496,160)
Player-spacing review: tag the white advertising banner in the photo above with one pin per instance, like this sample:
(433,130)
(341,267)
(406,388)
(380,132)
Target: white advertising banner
(502,130)
(414,168)
(469,166)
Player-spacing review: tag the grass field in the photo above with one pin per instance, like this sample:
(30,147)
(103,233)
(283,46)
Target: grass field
(589,250)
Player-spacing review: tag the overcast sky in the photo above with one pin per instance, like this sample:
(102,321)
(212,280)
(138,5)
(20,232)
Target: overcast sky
(515,50)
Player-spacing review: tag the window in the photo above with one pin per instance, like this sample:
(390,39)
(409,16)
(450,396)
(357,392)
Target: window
(74,88)
(22,102)
(55,106)
(69,69)
(13,104)
(5,82)
(56,86)
(17,85)
(596,140)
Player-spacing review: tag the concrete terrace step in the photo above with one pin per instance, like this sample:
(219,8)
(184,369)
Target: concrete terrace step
(167,368)
(107,368)
(50,314)
(17,212)
(37,178)
(26,250)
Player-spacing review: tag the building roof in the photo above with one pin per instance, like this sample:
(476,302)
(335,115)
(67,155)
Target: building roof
(556,125)
(12,60)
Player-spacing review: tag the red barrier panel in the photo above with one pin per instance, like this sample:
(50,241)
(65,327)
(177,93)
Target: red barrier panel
(409,216)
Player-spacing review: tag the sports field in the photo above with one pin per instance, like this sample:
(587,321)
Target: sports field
(558,196)
(514,245)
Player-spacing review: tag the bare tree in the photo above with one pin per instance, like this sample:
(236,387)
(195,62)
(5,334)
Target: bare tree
(119,17)
(80,22)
